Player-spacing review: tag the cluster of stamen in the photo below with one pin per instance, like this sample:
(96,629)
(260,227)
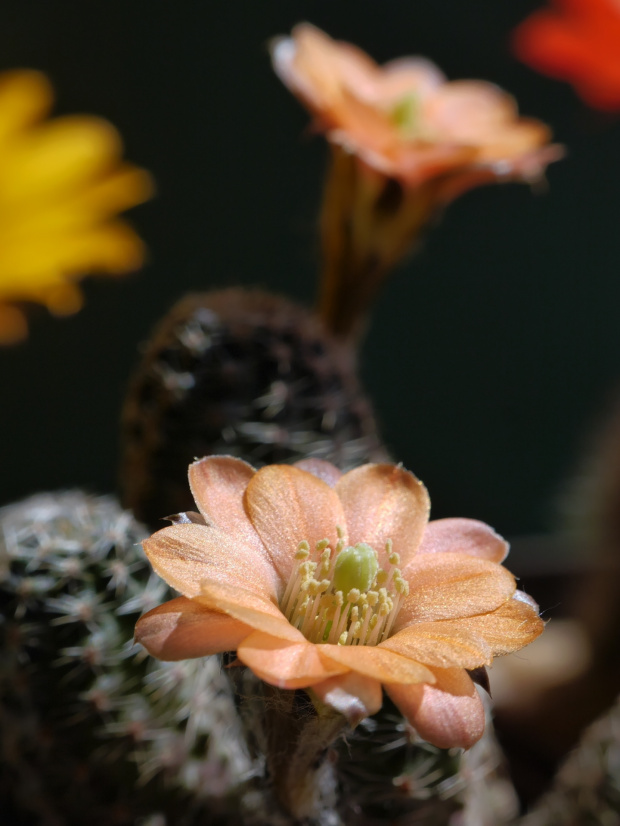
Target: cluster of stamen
(342,596)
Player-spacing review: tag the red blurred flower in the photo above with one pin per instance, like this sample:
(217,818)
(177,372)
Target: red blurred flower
(577,41)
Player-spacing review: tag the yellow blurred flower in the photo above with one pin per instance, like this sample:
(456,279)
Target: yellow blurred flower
(62,183)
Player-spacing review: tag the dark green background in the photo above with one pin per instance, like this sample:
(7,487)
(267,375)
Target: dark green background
(491,355)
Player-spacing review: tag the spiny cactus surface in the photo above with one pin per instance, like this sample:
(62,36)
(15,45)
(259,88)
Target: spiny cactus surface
(92,729)
(244,373)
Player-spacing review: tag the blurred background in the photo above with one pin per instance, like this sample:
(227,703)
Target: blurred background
(493,355)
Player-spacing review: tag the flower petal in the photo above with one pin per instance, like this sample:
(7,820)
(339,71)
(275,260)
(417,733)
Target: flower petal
(384,502)
(353,695)
(447,714)
(183,629)
(249,607)
(463,536)
(378,663)
(287,505)
(184,555)
(286,664)
(449,586)
(321,469)
(510,627)
(441,644)
(218,485)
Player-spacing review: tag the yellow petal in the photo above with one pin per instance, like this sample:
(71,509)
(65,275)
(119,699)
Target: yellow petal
(463,536)
(449,586)
(286,664)
(25,97)
(378,663)
(13,326)
(248,606)
(185,555)
(113,247)
(287,505)
(447,714)
(384,502)
(57,157)
(442,644)
(183,629)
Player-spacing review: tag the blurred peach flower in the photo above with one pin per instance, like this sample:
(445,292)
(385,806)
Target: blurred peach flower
(62,182)
(337,584)
(406,120)
(406,142)
(577,41)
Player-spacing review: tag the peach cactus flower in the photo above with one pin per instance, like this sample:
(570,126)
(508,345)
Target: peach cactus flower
(405,143)
(406,120)
(62,184)
(339,585)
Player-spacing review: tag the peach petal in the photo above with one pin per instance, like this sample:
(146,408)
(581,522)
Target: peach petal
(510,627)
(321,469)
(378,663)
(353,695)
(287,505)
(183,555)
(444,645)
(218,484)
(447,714)
(183,629)
(463,536)
(384,502)
(286,664)
(450,586)
(249,607)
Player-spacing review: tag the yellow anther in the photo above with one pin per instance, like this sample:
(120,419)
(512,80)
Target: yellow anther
(401,585)
(343,596)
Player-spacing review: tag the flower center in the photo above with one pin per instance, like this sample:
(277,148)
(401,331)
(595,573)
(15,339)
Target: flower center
(342,596)
(405,115)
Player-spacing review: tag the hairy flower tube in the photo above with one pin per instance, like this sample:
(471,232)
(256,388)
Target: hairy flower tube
(577,41)
(405,142)
(338,584)
(62,183)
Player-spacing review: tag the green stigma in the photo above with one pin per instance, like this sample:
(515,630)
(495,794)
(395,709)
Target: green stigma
(404,114)
(356,568)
